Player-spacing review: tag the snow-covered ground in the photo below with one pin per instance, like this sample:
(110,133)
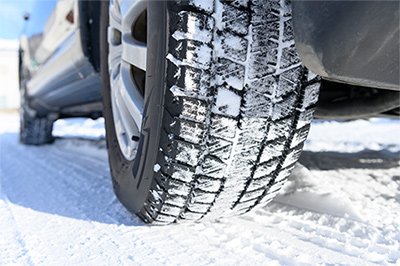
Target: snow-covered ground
(340,206)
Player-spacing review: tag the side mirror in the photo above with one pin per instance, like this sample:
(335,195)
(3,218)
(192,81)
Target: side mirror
(26,16)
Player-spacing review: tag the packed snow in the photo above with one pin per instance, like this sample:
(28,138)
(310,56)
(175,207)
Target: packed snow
(341,205)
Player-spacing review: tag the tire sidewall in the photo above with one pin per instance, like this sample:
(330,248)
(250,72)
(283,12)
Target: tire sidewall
(132,179)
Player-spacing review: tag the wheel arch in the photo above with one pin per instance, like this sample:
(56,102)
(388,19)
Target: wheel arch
(344,41)
(89,23)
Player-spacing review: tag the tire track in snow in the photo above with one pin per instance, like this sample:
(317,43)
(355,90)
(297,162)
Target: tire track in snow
(364,190)
(65,210)
(12,250)
(331,237)
(47,175)
(67,176)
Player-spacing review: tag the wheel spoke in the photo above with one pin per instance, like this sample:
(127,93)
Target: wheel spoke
(131,95)
(126,54)
(130,11)
(115,21)
(125,126)
(128,124)
(114,57)
(133,52)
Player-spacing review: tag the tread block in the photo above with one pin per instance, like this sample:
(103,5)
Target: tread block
(257,97)
(254,128)
(146,216)
(285,107)
(170,210)
(156,196)
(274,189)
(265,85)
(287,31)
(289,57)
(311,93)
(223,127)
(169,146)
(190,53)
(246,151)
(263,63)
(293,156)
(204,197)
(191,131)
(185,107)
(172,103)
(256,104)
(227,103)
(259,183)
(186,152)
(230,73)
(188,215)
(184,129)
(267,198)
(175,200)
(243,207)
(241,166)
(279,129)
(204,5)
(198,207)
(149,209)
(208,184)
(237,3)
(300,136)
(252,195)
(220,148)
(160,180)
(288,81)
(193,26)
(194,109)
(165,219)
(178,188)
(233,187)
(272,149)
(283,174)
(182,173)
(305,118)
(266,168)
(235,181)
(265,37)
(213,167)
(263,11)
(231,46)
(193,80)
(235,20)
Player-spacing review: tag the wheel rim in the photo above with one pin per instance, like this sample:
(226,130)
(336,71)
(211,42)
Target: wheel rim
(127,67)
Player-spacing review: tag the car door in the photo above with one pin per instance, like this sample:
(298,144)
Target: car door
(61,76)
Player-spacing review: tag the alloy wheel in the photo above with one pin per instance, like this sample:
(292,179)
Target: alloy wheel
(127,39)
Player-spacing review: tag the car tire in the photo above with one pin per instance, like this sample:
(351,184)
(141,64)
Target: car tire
(34,130)
(226,108)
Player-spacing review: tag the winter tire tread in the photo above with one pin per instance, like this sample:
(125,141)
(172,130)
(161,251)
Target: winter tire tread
(247,49)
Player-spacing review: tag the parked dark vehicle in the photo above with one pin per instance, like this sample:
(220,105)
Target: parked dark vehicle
(207,103)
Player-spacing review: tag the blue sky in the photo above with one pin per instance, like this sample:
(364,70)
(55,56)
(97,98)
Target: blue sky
(12,11)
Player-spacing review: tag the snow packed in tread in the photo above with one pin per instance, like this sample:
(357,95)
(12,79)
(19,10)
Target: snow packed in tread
(239,114)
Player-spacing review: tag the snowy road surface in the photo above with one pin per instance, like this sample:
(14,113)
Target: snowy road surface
(341,206)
